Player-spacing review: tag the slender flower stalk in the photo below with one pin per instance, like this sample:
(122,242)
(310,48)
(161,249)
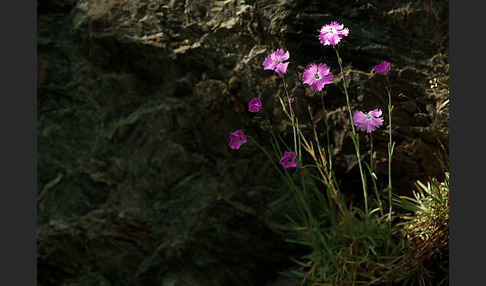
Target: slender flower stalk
(391,146)
(278,62)
(369,122)
(373,178)
(293,120)
(354,136)
(383,69)
(326,126)
(317,76)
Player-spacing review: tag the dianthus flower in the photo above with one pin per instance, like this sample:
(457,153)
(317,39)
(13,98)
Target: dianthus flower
(288,160)
(331,34)
(368,121)
(383,68)
(317,76)
(255,105)
(237,138)
(276,62)
(291,99)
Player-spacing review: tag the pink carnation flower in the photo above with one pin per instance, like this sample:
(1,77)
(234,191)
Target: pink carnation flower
(237,138)
(276,62)
(291,99)
(383,68)
(317,76)
(368,121)
(255,105)
(288,160)
(331,34)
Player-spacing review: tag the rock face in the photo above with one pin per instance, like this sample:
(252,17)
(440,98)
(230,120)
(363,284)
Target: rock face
(136,99)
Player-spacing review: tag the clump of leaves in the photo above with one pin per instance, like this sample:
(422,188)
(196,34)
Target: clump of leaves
(427,232)
(352,250)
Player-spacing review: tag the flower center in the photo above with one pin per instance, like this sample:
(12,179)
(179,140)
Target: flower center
(317,76)
(289,160)
(368,117)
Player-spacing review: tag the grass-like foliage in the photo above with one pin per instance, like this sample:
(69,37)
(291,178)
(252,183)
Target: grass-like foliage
(426,229)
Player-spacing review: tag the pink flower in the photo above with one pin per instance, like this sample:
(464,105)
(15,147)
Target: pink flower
(237,138)
(291,99)
(368,121)
(317,76)
(331,34)
(276,62)
(383,68)
(255,105)
(288,160)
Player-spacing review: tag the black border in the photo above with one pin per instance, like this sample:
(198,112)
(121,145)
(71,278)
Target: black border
(468,199)
(18,118)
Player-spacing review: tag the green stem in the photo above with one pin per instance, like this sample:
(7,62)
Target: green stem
(391,146)
(371,151)
(304,211)
(292,116)
(354,137)
(373,178)
(326,126)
